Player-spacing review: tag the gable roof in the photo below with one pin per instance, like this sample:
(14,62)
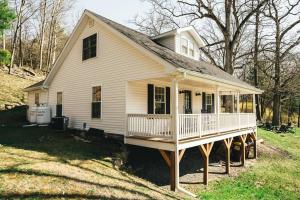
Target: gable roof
(164,54)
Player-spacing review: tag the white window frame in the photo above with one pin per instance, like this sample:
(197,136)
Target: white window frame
(101,106)
(39,98)
(187,46)
(206,99)
(165,99)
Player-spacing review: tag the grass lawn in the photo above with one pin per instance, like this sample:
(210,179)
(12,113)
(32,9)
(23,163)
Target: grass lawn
(39,163)
(274,176)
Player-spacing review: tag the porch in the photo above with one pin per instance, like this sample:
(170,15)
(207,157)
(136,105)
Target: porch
(175,113)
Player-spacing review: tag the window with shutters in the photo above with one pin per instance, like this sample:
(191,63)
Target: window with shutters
(37,98)
(160,100)
(89,47)
(209,103)
(96,102)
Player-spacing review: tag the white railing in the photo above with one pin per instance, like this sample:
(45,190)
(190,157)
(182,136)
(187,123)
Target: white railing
(148,125)
(189,125)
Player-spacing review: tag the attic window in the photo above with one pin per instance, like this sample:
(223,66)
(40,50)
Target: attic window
(191,49)
(89,48)
(184,46)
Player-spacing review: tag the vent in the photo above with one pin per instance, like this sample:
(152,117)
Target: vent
(91,23)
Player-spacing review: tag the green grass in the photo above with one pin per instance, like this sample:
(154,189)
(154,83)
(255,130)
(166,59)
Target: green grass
(39,163)
(272,177)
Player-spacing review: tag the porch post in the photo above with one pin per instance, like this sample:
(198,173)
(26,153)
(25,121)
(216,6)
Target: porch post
(238,108)
(217,107)
(175,123)
(254,104)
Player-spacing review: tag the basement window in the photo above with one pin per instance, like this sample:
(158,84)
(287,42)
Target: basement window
(96,102)
(89,48)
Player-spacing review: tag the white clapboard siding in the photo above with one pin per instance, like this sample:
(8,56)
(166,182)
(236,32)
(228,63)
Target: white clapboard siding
(168,42)
(116,63)
(43,97)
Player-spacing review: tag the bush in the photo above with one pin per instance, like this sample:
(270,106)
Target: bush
(5,57)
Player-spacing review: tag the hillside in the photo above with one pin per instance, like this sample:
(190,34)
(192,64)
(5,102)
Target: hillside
(11,88)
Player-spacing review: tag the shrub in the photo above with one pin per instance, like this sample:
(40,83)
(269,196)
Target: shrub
(5,57)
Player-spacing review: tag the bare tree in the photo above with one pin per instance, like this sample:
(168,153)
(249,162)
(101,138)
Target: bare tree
(43,12)
(282,41)
(228,18)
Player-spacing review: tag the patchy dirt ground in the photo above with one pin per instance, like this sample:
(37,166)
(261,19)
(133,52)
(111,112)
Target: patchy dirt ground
(191,166)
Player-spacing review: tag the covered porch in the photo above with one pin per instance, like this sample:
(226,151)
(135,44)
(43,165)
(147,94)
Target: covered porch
(178,112)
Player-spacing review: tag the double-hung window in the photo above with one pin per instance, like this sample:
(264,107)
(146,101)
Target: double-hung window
(89,47)
(37,98)
(160,100)
(191,49)
(96,102)
(209,103)
(184,46)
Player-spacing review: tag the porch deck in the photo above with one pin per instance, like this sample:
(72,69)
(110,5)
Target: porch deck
(193,129)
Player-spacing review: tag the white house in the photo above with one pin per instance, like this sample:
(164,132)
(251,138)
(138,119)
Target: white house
(154,91)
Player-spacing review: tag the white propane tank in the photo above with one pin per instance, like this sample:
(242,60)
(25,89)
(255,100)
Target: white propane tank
(43,115)
(32,114)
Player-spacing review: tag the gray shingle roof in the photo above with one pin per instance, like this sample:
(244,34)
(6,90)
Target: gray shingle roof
(170,56)
(35,86)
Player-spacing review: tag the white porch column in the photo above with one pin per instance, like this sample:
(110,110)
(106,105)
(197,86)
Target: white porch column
(254,104)
(175,123)
(238,108)
(217,107)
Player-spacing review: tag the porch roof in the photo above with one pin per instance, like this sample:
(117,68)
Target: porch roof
(175,59)
(36,86)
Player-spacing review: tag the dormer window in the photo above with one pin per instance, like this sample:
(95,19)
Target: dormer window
(184,46)
(89,47)
(191,49)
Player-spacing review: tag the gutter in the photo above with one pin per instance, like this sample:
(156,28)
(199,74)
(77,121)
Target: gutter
(212,78)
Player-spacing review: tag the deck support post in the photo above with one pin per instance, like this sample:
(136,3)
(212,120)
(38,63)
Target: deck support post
(227,144)
(243,148)
(170,160)
(254,138)
(205,150)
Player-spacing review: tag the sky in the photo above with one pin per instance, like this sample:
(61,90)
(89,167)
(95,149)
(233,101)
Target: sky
(121,11)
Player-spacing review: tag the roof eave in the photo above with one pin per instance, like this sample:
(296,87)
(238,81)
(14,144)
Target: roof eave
(216,79)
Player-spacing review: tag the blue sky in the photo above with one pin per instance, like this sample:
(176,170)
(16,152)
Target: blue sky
(118,10)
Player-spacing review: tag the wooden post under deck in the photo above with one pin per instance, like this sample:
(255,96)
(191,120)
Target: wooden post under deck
(227,144)
(205,150)
(243,148)
(170,161)
(254,138)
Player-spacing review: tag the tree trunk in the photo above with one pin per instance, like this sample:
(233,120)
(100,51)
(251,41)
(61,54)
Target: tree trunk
(277,80)
(299,115)
(3,41)
(256,63)
(43,23)
(227,38)
(15,35)
(20,47)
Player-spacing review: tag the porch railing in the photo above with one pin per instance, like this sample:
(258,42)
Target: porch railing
(148,125)
(189,125)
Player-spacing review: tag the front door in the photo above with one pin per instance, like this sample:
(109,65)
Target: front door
(187,102)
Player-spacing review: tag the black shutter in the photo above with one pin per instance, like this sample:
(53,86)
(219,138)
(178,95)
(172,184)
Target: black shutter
(203,102)
(150,98)
(213,103)
(168,100)
(58,110)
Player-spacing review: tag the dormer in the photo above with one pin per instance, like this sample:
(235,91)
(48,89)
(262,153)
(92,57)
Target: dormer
(185,41)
